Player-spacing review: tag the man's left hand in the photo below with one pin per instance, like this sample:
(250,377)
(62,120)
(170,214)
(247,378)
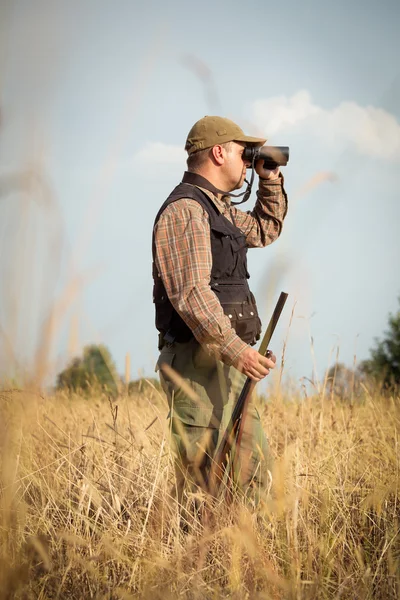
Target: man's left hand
(266,173)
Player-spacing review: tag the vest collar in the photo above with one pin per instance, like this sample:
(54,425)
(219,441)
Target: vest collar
(200,181)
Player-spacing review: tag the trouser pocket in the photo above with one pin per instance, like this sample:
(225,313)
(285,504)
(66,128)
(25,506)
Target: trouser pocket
(164,367)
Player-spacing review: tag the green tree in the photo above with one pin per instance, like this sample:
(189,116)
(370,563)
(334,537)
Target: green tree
(95,367)
(384,364)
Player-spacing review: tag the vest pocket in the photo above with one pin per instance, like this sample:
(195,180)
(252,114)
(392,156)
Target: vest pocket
(228,252)
(245,321)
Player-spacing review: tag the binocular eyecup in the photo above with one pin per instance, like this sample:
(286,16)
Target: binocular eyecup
(273,156)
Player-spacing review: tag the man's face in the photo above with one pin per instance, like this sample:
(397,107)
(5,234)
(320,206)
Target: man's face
(235,166)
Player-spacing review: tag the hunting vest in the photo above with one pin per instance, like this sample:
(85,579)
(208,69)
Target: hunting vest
(229,273)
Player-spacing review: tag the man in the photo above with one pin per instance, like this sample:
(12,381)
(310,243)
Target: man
(205,313)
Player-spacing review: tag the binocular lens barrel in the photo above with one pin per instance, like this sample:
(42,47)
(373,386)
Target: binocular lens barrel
(274,156)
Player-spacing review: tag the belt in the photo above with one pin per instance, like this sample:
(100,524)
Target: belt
(168,339)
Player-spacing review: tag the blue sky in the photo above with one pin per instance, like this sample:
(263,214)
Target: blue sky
(96,102)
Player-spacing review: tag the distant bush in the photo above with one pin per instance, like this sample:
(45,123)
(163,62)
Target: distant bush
(95,368)
(342,381)
(148,385)
(384,364)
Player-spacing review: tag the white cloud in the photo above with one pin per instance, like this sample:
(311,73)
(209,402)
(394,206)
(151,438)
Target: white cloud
(368,130)
(281,113)
(371,131)
(159,153)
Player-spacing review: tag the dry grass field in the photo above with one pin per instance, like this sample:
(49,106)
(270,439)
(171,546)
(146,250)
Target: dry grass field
(87,508)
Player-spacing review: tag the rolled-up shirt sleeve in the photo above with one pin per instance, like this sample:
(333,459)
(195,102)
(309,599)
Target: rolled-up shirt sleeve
(263,224)
(184,261)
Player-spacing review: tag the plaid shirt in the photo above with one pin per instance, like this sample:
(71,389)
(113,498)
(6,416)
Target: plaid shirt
(184,260)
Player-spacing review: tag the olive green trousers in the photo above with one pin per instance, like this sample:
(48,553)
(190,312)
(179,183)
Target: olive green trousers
(201,393)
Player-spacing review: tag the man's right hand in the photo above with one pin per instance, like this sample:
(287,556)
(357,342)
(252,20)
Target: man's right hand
(253,364)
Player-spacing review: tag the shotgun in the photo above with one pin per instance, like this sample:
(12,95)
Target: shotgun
(233,433)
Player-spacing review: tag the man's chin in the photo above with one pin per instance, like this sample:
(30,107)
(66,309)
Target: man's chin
(239,184)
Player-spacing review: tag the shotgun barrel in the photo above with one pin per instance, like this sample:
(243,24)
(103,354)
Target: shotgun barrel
(233,433)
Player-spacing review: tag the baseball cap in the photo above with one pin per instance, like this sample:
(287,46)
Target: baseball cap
(210,131)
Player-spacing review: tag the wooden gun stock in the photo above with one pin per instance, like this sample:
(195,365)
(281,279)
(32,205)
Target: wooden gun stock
(233,433)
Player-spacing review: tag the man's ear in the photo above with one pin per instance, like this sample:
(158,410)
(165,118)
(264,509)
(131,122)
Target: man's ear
(218,154)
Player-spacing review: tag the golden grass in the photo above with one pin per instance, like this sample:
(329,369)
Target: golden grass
(87,508)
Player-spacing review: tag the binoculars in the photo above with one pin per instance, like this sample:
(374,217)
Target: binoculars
(274,156)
